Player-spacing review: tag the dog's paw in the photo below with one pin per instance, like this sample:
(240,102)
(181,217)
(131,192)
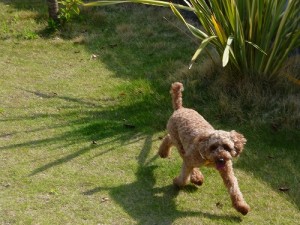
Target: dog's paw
(164,151)
(163,154)
(177,182)
(197,178)
(197,182)
(243,208)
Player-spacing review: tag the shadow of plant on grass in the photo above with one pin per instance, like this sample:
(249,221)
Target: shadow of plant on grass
(92,126)
(273,157)
(148,204)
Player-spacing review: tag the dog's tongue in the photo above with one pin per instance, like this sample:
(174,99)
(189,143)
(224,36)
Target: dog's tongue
(220,164)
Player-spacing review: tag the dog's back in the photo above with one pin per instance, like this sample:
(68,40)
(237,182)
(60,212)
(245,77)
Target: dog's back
(188,123)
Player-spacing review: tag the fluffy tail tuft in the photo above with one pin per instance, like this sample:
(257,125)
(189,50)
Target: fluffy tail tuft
(176,90)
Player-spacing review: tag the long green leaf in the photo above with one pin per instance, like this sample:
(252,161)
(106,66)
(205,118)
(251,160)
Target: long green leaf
(203,44)
(257,47)
(195,31)
(147,2)
(279,36)
(225,58)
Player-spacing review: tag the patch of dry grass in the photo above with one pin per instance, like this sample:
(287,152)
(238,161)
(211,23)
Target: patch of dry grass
(247,99)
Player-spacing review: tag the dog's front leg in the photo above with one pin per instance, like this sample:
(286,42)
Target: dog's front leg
(231,183)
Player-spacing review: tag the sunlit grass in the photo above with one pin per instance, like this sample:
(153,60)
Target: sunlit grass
(79,134)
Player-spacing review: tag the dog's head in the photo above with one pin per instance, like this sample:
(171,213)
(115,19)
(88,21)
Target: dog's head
(221,146)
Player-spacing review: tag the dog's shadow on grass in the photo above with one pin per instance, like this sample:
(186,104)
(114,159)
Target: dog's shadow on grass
(148,204)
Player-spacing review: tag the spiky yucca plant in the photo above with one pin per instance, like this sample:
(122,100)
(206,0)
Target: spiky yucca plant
(256,37)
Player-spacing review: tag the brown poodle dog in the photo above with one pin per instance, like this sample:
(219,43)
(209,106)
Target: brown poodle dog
(199,144)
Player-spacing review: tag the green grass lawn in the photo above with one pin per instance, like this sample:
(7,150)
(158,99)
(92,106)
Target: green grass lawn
(79,134)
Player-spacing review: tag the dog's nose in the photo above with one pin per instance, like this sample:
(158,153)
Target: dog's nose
(220,163)
(220,160)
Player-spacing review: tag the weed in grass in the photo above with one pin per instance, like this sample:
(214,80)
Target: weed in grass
(30,35)
(4,30)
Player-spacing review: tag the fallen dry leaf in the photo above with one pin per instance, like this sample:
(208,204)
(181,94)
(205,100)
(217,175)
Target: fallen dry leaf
(283,189)
(130,126)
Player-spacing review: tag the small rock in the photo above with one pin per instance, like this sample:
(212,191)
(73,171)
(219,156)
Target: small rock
(7,185)
(104,199)
(94,56)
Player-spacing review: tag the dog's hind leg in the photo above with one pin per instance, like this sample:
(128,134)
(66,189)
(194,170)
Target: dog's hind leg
(196,177)
(165,147)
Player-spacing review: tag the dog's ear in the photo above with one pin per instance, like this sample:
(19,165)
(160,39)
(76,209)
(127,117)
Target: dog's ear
(202,141)
(239,141)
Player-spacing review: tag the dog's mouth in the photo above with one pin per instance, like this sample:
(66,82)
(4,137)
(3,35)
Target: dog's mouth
(220,164)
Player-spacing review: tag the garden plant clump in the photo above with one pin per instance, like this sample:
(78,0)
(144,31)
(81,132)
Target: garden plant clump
(255,37)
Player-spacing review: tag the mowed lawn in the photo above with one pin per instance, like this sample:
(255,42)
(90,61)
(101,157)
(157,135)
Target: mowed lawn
(82,115)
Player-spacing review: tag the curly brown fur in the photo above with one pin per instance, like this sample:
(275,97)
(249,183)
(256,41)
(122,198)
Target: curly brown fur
(199,144)
(176,90)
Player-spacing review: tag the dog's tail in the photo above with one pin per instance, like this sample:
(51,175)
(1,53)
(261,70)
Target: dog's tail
(176,90)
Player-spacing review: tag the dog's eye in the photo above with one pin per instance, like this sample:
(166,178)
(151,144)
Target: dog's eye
(213,147)
(226,147)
